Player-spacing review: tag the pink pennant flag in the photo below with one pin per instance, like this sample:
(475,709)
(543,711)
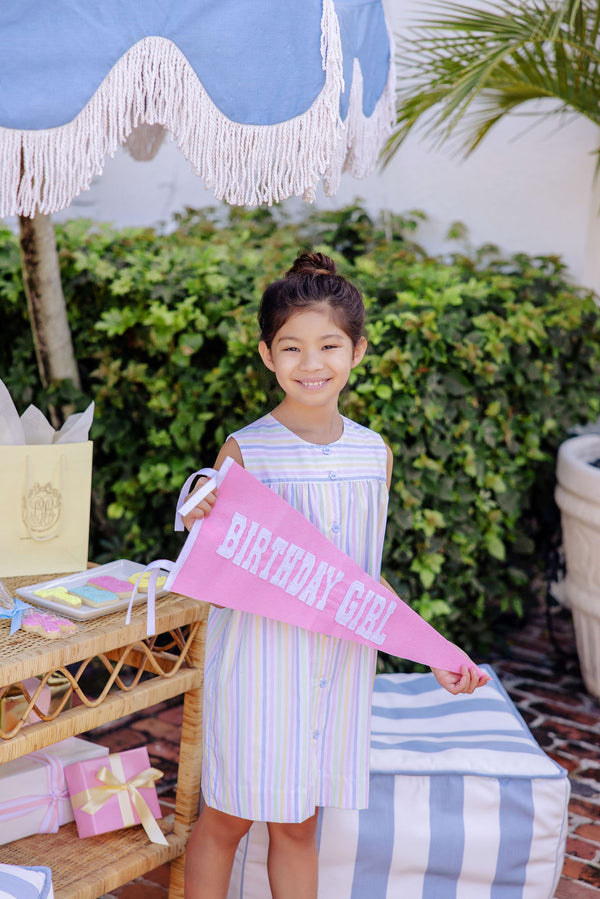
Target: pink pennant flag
(256,553)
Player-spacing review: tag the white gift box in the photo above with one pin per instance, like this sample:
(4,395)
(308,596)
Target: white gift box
(33,792)
(464,804)
(26,882)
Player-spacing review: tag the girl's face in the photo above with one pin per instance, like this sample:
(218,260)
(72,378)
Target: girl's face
(312,356)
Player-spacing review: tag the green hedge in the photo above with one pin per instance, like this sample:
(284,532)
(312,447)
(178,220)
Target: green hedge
(477,366)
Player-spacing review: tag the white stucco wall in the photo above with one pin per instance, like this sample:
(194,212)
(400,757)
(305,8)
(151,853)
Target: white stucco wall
(527,188)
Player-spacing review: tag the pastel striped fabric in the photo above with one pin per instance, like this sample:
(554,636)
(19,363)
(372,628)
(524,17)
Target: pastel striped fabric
(29,882)
(464,805)
(286,711)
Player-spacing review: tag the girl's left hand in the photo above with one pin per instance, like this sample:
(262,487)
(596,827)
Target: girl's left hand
(466,682)
(203,509)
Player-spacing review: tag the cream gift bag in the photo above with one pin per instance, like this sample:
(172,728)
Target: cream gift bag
(45,491)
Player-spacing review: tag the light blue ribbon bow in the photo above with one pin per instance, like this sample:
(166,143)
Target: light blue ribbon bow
(15,614)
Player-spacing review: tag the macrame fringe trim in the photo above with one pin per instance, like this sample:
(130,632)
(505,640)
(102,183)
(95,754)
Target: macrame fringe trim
(245,165)
(364,136)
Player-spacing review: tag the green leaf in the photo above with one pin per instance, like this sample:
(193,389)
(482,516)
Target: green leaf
(383,391)
(495,546)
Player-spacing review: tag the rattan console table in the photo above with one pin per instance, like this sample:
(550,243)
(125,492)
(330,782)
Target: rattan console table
(139,672)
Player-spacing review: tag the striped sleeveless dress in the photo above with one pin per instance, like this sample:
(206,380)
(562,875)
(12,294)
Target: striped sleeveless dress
(286,710)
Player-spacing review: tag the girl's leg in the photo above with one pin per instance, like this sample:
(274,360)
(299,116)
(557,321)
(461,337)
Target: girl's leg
(293,860)
(210,852)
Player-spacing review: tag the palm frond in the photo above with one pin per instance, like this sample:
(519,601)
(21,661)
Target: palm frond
(463,69)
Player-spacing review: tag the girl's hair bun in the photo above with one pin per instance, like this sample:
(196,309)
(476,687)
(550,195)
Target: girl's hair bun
(312,280)
(312,264)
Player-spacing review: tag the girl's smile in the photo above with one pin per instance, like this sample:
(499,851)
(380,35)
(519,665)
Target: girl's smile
(314,385)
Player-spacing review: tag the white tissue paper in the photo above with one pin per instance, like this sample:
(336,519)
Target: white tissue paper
(32,427)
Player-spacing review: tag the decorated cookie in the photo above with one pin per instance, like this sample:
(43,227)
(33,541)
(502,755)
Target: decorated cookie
(143,584)
(59,594)
(47,625)
(95,596)
(123,589)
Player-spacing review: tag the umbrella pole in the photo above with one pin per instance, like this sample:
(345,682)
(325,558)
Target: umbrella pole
(45,301)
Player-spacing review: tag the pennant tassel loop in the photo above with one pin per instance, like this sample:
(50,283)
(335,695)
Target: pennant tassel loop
(184,505)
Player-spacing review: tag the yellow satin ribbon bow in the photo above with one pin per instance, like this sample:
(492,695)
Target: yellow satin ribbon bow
(92,799)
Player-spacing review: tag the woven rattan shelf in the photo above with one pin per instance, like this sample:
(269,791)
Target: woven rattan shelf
(137,672)
(86,869)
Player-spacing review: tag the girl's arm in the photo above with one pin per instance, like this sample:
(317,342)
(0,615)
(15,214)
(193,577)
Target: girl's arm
(203,509)
(390,465)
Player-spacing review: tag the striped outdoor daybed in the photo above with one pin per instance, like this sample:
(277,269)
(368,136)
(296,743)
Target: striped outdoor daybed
(464,804)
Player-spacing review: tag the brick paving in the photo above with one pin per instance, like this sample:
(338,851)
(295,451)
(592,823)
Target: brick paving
(538,668)
(541,673)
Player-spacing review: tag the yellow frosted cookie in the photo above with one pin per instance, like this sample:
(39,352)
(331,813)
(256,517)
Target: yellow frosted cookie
(143,584)
(59,594)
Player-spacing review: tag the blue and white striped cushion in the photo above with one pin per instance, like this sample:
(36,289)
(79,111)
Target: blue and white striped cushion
(17,882)
(463,805)
(416,726)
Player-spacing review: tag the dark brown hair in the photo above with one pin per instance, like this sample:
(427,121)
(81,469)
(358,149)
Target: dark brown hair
(311,280)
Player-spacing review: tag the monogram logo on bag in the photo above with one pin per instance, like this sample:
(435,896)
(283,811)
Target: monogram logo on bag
(42,506)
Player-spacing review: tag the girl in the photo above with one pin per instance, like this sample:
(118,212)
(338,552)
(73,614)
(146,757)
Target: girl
(287,710)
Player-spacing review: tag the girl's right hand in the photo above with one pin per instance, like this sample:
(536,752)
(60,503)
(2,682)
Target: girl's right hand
(203,509)
(466,682)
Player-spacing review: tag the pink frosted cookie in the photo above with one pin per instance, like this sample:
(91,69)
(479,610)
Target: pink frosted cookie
(59,594)
(114,584)
(95,596)
(47,625)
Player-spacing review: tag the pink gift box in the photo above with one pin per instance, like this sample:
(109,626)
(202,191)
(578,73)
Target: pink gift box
(115,792)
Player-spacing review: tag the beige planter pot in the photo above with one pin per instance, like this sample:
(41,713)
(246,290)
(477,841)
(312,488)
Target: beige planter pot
(578,497)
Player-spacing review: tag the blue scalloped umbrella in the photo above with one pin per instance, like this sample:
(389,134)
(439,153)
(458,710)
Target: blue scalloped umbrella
(263,97)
